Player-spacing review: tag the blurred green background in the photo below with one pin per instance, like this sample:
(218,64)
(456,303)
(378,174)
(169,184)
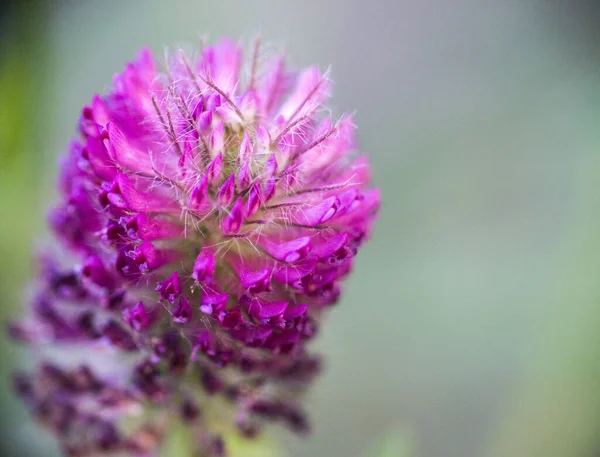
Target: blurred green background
(471,324)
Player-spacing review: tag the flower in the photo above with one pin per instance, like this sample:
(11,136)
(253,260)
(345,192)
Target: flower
(211,219)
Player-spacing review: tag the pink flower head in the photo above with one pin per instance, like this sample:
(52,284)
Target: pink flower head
(213,217)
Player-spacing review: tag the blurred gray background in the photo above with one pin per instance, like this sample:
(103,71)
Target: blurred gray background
(471,323)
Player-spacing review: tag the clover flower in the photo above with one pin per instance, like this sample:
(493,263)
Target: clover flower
(211,219)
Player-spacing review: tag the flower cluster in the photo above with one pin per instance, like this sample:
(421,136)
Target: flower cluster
(213,209)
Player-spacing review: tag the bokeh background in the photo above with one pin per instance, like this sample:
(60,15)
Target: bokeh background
(471,327)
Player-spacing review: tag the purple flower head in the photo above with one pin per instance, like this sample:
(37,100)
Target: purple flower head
(213,210)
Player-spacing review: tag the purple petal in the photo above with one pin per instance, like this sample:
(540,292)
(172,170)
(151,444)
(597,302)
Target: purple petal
(318,214)
(182,313)
(142,198)
(204,266)
(227,191)
(170,288)
(272,309)
(290,251)
(233,221)
(255,281)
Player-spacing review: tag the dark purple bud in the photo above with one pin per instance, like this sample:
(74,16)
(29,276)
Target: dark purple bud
(55,375)
(170,288)
(212,383)
(189,410)
(22,385)
(146,380)
(178,363)
(246,426)
(146,370)
(107,437)
(114,300)
(296,420)
(182,313)
(83,380)
(218,447)
(85,323)
(119,337)
(137,317)
(94,269)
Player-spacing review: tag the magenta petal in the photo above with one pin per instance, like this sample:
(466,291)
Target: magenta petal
(117,200)
(325,248)
(363,208)
(318,214)
(263,138)
(254,200)
(288,338)
(142,198)
(271,167)
(170,288)
(213,301)
(311,90)
(290,251)
(295,312)
(94,269)
(249,104)
(100,111)
(291,274)
(227,191)
(252,305)
(244,176)
(254,335)
(223,203)
(272,309)
(233,221)
(137,317)
(98,156)
(256,281)
(217,138)
(231,319)
(274,86)
(204,266)
(149,229)
(155,258)
(182,313)
(215,169)
(269,189)
(199,201)
(246,148)
(225,64)
(124,153)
